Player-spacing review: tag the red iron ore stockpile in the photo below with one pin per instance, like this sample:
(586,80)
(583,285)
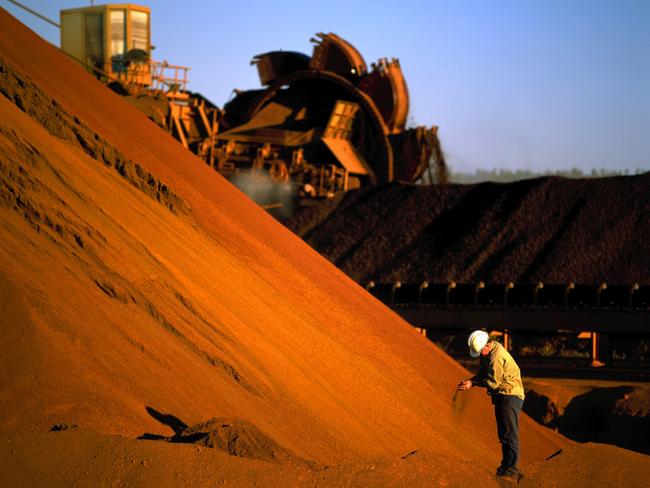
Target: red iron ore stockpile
(159,329)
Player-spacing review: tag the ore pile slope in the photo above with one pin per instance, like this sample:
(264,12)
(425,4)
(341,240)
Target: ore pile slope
(136,276)
(552,230)
(139,289)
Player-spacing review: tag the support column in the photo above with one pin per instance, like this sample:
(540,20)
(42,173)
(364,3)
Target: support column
(396,285)
(596,353)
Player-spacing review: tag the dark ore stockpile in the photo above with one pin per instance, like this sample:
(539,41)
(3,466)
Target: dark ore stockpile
(550,229)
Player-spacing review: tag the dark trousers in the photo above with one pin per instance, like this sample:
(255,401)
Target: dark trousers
(506,411)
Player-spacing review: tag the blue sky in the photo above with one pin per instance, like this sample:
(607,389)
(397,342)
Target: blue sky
(514,84)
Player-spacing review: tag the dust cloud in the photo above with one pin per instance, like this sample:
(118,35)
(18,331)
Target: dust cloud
(278,198)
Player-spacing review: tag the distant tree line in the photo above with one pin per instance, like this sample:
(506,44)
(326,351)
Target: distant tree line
(507,175)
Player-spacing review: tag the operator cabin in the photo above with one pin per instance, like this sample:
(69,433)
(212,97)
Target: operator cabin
(111,40)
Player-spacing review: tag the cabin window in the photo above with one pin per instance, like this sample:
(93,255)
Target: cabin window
(139,30)
(118,39)
(94,27)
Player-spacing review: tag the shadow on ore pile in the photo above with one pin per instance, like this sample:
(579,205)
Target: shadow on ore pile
(233,436)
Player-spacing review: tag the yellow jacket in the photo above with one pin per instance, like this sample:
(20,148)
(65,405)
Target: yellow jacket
(499,373)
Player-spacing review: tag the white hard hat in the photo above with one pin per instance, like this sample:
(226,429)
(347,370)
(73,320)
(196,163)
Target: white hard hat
(476,342)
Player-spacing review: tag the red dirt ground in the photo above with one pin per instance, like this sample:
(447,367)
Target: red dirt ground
(142,294)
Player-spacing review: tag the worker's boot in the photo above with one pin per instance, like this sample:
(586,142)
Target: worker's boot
(510,474)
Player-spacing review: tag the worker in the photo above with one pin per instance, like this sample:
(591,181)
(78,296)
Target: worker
(501,376)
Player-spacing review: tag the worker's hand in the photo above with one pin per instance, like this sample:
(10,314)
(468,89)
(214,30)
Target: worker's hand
(465,385)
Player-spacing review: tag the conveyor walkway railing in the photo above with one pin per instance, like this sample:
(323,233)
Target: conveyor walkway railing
(593,311)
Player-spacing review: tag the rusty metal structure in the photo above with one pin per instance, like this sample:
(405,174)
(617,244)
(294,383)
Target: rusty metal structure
(601,316)
(326,123)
